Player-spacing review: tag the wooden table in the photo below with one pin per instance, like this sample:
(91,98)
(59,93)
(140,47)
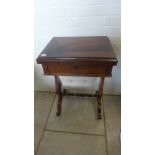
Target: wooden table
(78,56)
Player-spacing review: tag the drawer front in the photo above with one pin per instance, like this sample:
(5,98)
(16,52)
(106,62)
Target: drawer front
(77,68)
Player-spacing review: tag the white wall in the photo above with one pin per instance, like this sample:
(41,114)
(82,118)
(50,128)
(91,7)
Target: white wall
(77,18)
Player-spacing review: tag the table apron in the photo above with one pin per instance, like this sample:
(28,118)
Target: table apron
(77,69)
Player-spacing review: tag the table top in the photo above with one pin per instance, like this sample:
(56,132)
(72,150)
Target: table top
(94,47)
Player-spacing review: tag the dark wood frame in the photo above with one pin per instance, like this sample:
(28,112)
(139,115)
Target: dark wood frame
(79,66)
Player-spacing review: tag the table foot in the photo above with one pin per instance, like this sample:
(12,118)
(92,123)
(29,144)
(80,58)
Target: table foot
(58,108)
(99,116)
(58,113)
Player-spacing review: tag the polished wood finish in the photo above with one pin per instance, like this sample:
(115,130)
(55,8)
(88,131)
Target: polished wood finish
(78,47)
(78,56)
(76,67)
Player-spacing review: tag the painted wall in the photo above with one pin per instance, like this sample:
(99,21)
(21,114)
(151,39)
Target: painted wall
(77,18)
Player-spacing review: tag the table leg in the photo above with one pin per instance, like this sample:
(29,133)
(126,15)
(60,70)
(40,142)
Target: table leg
(99,98)
(58,86)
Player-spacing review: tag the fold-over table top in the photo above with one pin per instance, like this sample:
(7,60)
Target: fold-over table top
(94,47)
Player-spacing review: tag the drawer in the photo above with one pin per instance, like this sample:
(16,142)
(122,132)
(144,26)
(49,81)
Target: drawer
(77,68)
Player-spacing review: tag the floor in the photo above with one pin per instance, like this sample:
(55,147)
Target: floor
(77,131)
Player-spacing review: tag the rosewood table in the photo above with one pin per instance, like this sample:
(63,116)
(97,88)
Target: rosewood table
(78,56)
